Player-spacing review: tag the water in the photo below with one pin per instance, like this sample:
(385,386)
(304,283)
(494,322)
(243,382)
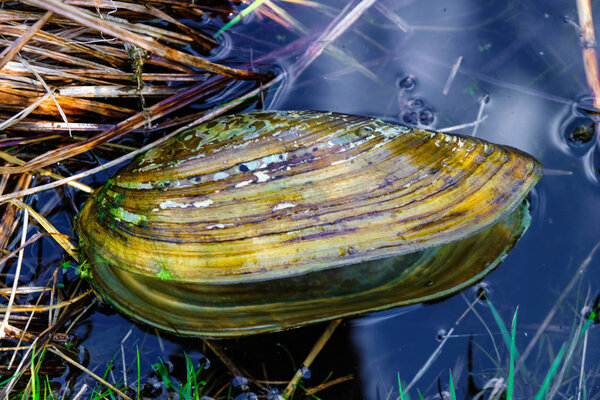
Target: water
(521,71)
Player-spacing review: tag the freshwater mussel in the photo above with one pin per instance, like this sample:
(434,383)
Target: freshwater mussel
(270,220)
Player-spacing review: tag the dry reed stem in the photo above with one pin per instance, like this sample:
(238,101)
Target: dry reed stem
(57,306)
(209,115)
(590,57)
(9,52)
(86,19)
(318,346)
(25,289)
(24,334)
(14,160)
(159,109)
(22,114)
(60,238)
(13,293)
(9,217)
(54,350)
(323,386)
(47,89)
(52,39)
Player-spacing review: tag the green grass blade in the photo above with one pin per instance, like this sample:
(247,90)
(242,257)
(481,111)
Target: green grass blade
(137,349)
(34,377)
(400,387)
(504,331)
(541,394)
(452,391)
(239,17)
(513,353)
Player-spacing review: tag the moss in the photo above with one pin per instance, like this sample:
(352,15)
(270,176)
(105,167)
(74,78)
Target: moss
(164,274)
(124,215)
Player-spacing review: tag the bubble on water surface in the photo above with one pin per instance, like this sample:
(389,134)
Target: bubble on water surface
(410,118)
(426,117)
(407,83)
(441,334)
(305,372)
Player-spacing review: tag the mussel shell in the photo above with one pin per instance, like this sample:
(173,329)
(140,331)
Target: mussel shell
(284,201)
(236,309)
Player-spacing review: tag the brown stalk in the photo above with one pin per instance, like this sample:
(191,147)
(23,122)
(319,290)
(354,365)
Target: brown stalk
(9,52)
(61,56)
(158,110)
(323,386)
(590,57)
(84,18)
(126,76)
(9,216)
(65,43)
(153,60)
(207,116)
(291,387)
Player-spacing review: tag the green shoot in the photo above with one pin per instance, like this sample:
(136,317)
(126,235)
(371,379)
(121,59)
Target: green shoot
(137,349)
(34,377)
(192,388)
(544,388)
(400,387)
(505,335)
(452,391)
(289,355)
(239,17)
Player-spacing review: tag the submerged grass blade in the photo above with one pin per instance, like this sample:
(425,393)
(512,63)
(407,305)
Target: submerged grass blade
(544,388)
(505,335)
(513,353)
(451,387)
(400,387)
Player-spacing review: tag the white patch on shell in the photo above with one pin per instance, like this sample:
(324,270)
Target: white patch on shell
(174,204)
(339,162)
(262,177)
(282,206)
(215,226)
(203,203)
(220,175)
(188,137)
(243,183)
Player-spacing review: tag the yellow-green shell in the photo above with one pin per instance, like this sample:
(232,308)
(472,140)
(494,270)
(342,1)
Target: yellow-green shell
(268,220)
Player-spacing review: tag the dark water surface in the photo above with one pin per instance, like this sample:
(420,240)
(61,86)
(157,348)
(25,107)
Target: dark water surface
(523,62)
